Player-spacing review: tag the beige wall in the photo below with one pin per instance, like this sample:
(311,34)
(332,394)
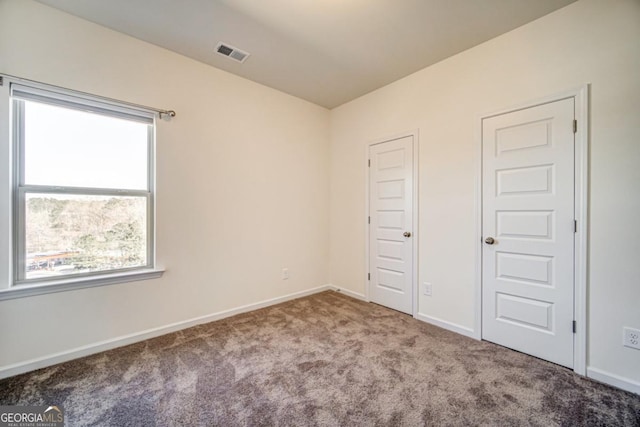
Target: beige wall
(591,41)
(242,182)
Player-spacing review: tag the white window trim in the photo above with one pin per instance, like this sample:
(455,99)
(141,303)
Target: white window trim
(70,283)
(10,208)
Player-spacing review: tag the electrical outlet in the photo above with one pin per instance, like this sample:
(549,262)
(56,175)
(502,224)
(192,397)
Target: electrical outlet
(631,338)
(426,289)
(285,273)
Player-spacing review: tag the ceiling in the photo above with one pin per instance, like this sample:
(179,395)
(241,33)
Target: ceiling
(325,51)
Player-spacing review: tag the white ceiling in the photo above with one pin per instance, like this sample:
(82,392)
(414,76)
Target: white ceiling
(325,51)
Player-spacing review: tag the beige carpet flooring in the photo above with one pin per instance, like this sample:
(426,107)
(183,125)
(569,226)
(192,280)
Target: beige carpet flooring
(322,360)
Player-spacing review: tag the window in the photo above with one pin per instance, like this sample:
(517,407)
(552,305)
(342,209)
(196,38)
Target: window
(83,184)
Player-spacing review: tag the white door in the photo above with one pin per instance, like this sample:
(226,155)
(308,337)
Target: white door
(528,230)
(391,224)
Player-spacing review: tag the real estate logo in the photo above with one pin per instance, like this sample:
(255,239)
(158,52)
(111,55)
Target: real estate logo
(31,416)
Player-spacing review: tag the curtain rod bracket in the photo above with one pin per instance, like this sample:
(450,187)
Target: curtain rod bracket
(167,115)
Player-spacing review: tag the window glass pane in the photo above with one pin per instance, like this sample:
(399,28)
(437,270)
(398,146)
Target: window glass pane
(70,148)
(71,234)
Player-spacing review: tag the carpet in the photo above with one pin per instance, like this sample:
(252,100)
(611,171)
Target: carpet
(322,360)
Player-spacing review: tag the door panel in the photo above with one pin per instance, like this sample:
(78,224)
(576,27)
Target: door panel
(391,215)
(528,208)
(523,181)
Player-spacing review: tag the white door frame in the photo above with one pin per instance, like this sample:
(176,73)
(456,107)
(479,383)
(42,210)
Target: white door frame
(414,232)
(581,193)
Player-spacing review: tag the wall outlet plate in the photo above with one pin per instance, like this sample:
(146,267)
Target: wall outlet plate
(426,289)
(631,338)
(285,273)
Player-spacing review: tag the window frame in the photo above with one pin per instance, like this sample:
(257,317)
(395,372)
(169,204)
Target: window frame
(81,102)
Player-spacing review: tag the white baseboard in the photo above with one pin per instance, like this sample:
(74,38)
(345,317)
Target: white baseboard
(65,356)
(462,330)
(613,380)
(352,294)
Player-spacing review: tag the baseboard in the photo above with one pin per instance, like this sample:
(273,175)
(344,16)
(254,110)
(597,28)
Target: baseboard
(613,380)
(65,356)
(462,330)
(352,294)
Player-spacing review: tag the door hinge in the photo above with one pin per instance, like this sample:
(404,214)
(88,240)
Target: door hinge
(575,126)
(369,220)
(1,81)
(575,326)
(368,276)
(369,163)
(575,225)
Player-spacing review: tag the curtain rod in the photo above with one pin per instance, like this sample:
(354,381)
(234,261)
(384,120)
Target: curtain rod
(163,114)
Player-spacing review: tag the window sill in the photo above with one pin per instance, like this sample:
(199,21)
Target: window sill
(70,284)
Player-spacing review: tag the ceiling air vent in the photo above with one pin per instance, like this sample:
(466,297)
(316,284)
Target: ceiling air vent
(231,52)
